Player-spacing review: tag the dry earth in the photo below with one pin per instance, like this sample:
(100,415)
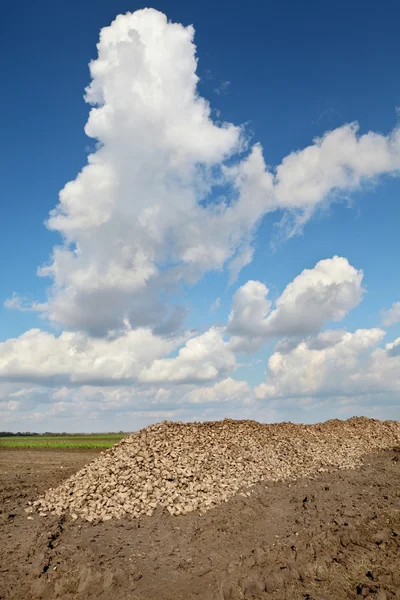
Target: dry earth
(330,535)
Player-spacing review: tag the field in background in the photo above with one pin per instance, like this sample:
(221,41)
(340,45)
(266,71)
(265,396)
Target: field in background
(100,440)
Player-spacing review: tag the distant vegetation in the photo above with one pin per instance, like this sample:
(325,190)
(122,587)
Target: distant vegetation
(52,434)
(57,440)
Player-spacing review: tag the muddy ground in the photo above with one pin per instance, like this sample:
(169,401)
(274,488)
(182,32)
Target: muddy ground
(333,537)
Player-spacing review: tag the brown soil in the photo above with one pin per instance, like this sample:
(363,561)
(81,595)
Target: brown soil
(334,536)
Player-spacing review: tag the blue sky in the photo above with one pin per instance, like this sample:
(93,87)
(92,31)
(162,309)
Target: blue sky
(279,76)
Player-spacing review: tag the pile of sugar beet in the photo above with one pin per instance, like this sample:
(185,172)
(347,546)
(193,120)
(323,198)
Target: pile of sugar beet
(196,466)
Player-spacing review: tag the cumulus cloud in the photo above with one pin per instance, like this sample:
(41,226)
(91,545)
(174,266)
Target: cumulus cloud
(132,218)
(339,161)
(227,390)
(147,213)
(393,349)
(246,323)
(203,358)
(333,363)
(327,292)
(391,316)
(75,358)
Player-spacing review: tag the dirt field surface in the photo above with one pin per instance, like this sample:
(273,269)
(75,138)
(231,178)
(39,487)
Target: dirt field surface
(334,536)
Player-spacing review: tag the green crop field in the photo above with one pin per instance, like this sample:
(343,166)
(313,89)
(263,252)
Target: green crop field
(100,440)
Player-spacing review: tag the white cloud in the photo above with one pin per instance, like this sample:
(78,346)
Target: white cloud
(23,305)
(335,164)
(327,292)
(222,87)
(393,349)
(132,215)
(203,358)
(391,316)
(113,407)
(333,363)
(215,305)
(18,402)
(228,390)
(76,358)
(332,374)
(242,258)
(246,322)
(138,219)
(340,161)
